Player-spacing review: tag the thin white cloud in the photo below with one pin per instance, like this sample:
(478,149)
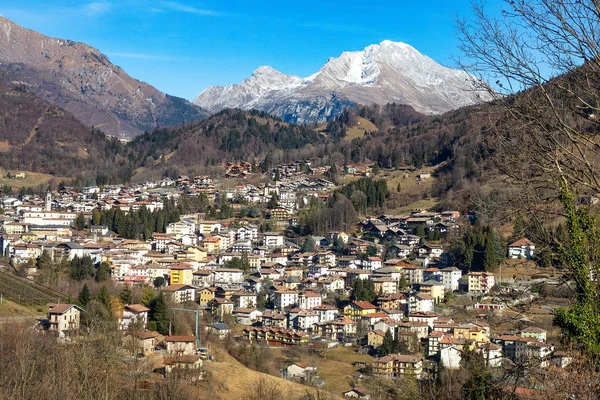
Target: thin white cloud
(173,5)
(96,8)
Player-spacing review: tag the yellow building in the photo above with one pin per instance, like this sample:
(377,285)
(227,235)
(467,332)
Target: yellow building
(470,332)
(198,253)
(255,261)
(375,338)
(212,244)
(357,309)
(180,274)
(385,286)
(207,294)
(434,289)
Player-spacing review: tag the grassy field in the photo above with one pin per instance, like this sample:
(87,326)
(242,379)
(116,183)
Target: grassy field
(364,125)
(31,179)
(234,381)
(515,268)
(334,366)
(11,309)
(26,292)
(409,186)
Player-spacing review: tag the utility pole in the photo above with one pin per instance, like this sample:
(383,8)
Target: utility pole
(197,322)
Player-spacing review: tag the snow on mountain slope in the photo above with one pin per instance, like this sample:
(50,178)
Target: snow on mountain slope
(380,74)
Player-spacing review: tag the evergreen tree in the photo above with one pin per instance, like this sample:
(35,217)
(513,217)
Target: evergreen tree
(148,296)
(125,295)
(339,245)
(309,245)
(371,251)
(104,298)
(388,344)
(80,222)
(273,201)
(96,217)
(370,292)
(403,283)
(490,260)
(160,314)
(159,282)
(84,296)
(420,232)
(44,261)
(245,262)
(81,268)
(103,272)
(357,292)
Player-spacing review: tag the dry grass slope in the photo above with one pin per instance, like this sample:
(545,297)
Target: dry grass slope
(234,381)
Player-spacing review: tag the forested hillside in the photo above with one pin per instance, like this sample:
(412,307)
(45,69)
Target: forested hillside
(231,135)
(37,136)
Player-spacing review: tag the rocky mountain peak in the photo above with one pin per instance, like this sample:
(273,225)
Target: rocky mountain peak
(380,73)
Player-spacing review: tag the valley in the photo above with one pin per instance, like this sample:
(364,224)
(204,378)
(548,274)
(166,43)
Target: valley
(385,228)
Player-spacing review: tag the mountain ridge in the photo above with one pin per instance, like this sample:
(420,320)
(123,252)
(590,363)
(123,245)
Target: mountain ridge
(83,81)
(388,72)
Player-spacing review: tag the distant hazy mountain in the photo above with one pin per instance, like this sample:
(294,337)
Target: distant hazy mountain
(82,80)
(382,73)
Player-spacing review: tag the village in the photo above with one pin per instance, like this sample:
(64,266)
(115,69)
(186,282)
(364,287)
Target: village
(386,288)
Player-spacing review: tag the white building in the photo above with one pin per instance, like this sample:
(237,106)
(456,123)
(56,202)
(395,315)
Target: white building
(179,293)
(229,275)
(283,298)
(326,312)
(134,313)
(522,248)
(273,239)
(247,316)
(64,318)
(309,300)
(480,282)
(450,278)
(247,232)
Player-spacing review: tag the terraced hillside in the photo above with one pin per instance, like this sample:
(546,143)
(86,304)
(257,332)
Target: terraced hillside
(26,292)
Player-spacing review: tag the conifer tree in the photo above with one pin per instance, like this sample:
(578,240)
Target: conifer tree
(104,298)
(84,296)
(388,344)
(80,222)
(148,296)
(309,245)
(96,217)
(103,272)
(44,261)
(125,295)
(160,314)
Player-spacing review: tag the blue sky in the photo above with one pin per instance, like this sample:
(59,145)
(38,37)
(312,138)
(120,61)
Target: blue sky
(181,47)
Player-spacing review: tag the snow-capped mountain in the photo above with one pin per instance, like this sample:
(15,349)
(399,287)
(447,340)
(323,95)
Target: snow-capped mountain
(381,73)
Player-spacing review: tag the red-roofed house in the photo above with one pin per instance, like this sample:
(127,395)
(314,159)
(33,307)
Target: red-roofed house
(133,313)
(522,248)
